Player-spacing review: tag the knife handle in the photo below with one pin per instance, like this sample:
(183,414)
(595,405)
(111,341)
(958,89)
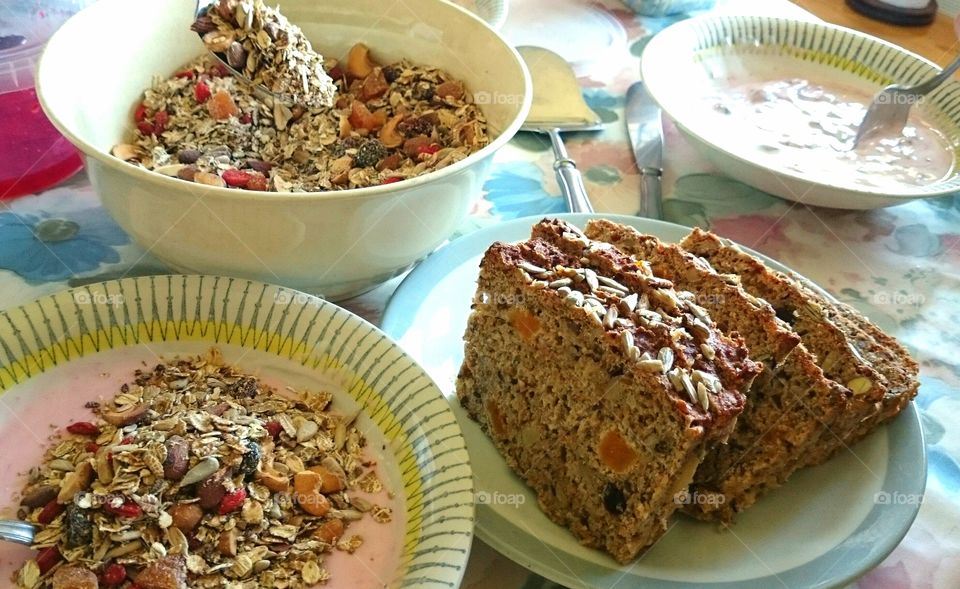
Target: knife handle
(650,188)
(568,177)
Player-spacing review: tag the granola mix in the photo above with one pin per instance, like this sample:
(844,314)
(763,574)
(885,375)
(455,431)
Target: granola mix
(269,50)
(196,475)
(387,123)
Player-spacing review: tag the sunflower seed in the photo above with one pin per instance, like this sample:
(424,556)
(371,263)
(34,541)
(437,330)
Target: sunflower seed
(612,283)
(611,291)
(688,385)
(576,297)
(560,282)
(699,313)
(708,351)
(675,381)
(564,290)
(652,365)
(532,268)
(201,471)
(700,329)
(634,353)
(702,396)
(860,385)
(646,356)
(591,277)
(626,338)
(630,302)
(610,317)
(665,355)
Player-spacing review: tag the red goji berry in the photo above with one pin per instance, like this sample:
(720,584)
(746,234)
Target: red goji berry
(47,558)
(113,574)
(246,118)
(274,428)
(336,73)
(83,428)
(232,501)
(126,440)
(160,120)
(201,92)
(92,447)
(140,113)
(234,177)
(121,508)
(145,127)
(391,180)
(257,182)
(49,512)
(428,149)
(188,74)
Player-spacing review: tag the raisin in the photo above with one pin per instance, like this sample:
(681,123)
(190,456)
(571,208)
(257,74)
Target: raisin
(79,529)
(614,500)
(369,154)
(391,73)
(785,314)
(251,460)
(415,126)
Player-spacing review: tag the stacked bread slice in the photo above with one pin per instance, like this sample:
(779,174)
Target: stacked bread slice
(613,371)
(601,385)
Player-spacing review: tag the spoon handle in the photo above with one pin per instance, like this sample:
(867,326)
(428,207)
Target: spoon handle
(569,177)
(17,531)
(943,76)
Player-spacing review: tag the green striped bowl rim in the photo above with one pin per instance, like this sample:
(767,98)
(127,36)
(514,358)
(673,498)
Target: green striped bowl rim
(388,385)
(871,59)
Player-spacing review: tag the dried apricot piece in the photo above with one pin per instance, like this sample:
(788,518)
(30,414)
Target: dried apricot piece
(616,453)
(221,106)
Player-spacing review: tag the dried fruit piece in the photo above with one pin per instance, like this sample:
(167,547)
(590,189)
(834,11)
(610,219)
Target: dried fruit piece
(209,179)
(616,453)
(227,544)
(237,178)
(121,507)
(140,113)
(412,146)
(78,528)
(211,491)
(391,180)
(160,120)
(221,106)
(613,499)
(329,482)
(50,512)
(74,482)
(428,149)
(201,92)
(330,531)
(374,85)
(169,572)
(186,516)
(257,182)
(362,118)
(450,89)
(274,429)
(48,558)
(251,460)
(74,577)
(308,496)
(273,481)
(113,574)
(83,428)
(232,501)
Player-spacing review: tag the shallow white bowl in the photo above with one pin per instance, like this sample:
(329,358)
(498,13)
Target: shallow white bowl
(678,62)
(336,244)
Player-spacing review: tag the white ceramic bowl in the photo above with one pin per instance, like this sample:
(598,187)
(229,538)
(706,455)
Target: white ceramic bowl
(679,62)
(492,11)
(336,244)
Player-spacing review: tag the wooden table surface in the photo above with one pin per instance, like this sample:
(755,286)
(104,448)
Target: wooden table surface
(936,41)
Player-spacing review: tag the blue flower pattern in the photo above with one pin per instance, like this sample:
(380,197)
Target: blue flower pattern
(516,190)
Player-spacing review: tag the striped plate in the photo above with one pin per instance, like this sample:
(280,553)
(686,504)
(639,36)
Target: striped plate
(278,333)
(677,61)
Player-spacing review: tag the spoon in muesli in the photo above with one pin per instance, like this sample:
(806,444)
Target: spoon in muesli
(12,530)
(260,47)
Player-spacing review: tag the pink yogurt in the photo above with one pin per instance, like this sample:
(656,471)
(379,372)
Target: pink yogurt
(34,412)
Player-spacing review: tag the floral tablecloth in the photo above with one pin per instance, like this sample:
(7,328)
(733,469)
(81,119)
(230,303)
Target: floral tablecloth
(901,265)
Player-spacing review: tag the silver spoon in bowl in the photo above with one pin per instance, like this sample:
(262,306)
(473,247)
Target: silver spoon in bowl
(889,109)
(16,531)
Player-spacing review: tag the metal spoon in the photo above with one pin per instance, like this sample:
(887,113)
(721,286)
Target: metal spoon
(259,90)
(889,109)
(12,530)
(558,106)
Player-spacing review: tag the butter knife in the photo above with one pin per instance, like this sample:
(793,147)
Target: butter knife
(645,129)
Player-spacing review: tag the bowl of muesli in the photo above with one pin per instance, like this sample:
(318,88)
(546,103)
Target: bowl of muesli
(359,147)
(223,433)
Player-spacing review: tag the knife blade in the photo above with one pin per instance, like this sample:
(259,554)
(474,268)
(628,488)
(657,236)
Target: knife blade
(645,129)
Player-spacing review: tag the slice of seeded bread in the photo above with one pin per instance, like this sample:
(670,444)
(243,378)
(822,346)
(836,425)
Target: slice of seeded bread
(600,385)
(786,405)
(878,373)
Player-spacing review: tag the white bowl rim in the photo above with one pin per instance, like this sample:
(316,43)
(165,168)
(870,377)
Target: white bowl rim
(904,195)
(234,194)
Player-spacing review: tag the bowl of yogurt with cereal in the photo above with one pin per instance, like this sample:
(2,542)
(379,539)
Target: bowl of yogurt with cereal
(776,103)
(212,446)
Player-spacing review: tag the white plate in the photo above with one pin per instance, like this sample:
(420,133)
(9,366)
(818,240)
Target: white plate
(827,526)
(494,12)
(679,61)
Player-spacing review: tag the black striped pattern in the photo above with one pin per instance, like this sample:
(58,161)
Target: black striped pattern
(391,388)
